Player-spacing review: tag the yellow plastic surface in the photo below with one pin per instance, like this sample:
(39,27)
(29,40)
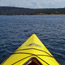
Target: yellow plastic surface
(33,47)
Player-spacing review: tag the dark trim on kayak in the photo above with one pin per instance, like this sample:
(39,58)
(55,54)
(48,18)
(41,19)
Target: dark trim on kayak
(34,49)
(31,59)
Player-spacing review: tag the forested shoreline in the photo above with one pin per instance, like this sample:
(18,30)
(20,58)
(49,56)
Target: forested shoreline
(28,11)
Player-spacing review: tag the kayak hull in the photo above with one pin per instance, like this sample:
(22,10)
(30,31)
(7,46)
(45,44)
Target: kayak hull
(32,49)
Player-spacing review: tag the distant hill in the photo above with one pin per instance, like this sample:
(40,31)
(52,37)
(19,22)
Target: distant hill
(27,11)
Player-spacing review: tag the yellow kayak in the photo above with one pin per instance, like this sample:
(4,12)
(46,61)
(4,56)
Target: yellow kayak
(31,52)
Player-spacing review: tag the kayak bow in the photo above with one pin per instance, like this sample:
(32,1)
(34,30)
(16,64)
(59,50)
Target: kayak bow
(31,52)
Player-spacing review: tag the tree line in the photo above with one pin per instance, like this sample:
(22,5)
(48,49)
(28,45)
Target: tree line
(28,11)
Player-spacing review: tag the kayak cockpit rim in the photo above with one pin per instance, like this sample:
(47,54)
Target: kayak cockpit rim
(32,61)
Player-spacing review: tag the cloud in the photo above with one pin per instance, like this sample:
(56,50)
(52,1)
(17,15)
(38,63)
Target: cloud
(33,3)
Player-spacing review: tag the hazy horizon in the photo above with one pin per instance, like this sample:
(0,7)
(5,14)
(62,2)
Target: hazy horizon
(34,3)
(32,8)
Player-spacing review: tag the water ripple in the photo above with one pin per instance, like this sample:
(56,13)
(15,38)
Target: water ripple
(14,30)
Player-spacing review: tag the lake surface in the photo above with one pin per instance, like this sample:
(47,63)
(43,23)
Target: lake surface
(14,30)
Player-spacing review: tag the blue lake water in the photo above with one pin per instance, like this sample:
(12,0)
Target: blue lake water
(14,30)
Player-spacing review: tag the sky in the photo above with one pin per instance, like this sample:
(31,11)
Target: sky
(34,3)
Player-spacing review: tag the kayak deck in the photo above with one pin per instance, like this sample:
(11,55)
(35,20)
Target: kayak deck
(31,51)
